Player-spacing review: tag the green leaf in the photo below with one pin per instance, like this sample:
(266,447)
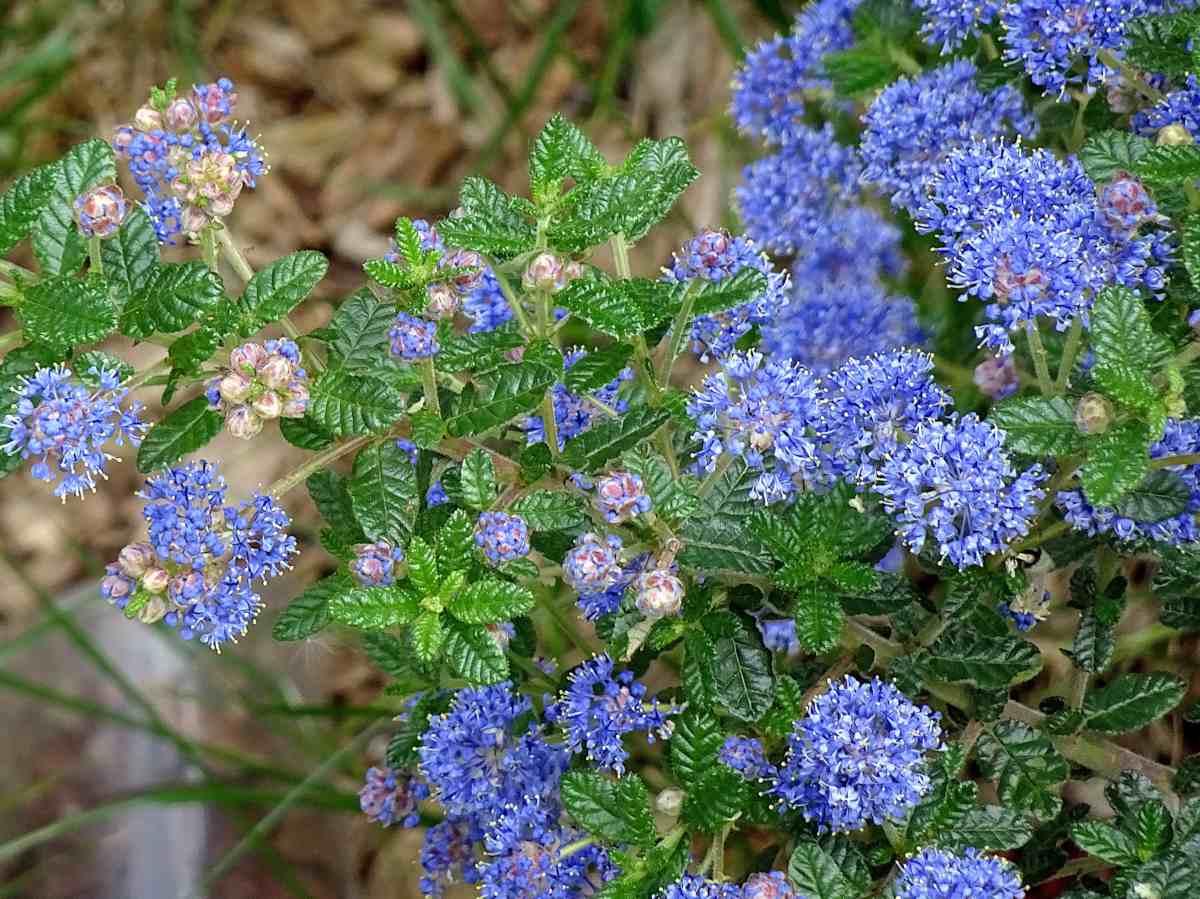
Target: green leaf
(347,405)
(961,655)
(746,285)
(561,150)
(427,428)
(1105,842)
(1117,462)
(550,510)
(428,636)
(375,608)
(1092,648)
(1169,164)
(1131,701)
(1037,425)
(1189,240)
(858,71)
(1028,770)
(596,446)
(815,874)
(360,330)
(1161,494)
(308,613)
(23,203)
(662,171)
(617,811)
(1109,152)
(941,809)
(743,679)
(389,655)
(718,797)
(673,498)
(819,620)
(65,312)
(490,601)
(477,353)
(331,496)
(597,368)
(304,433)
(100,361)
(277,289)
(474,654)
(1121,332)
(422,567)
(174,295)
(185,430)
(988,828)
(479,488)
(383,489)
(456,543)
(694,745)
(130,256)
(491,222)
(621,308)
(517,390)
(718,537)
(402,751)
(57,243)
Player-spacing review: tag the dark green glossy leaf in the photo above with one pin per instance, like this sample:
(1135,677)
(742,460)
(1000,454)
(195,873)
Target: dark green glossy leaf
(276,290)
(130,256)
(1038,425)
(743,680)
(375,608)
(1028,770)
(383,489)
(22,204)
(173,296)
(614,810)
(184,431)
(1117,462)
(57,243)
(605,441)
(474,654)
(1131,701)
(67,312)
(490,601)
(308,613)
(516,390)
(550,510)
(347,405)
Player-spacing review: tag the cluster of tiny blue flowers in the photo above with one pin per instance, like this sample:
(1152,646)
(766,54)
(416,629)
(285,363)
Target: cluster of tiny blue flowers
(915,123)
(1179,438)
(64,426)
(596,603)
(954,485)
(762,410)
(599,708)
(948,23)
(857,756)
(502,537)
(693,886)
(937,874)
(745,755)
(389,796)
(621,496)
(714,256)
(190,160)
(574,414)
(1179,107)
(374,564)
(593,564)
(413,338)
(1027,609)
(197,570)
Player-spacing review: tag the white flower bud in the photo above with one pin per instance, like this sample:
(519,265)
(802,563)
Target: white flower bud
(268,405)
(155,580)
(147,118)
(242,422)
(276,372)
(235,387)
(670,802)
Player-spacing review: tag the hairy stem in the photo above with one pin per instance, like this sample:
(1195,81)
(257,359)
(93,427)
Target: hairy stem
(1070,349)
(95,260)
(1180,459)
(1038,350)
(16,272)
(429,383)
(550,423)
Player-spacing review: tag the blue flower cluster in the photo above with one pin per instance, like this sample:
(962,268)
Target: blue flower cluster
(915,123)
(949,23)
(197,570)
(621,496)
(599,708)
(502,537)
(857,756)
(190,160)
(1179,438)
(413,338)
(64,426)
(574,414)
(937,874)
(1179,107)
(374,564)
(389,796)
(264,381)
(693,886)
(714,256)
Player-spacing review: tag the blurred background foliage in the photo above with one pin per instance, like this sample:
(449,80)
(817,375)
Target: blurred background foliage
(136,765)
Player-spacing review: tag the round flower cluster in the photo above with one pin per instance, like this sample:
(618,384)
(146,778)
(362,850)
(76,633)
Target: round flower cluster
(264,381)
(593,564)
(715,256)
(502,537)
(100,211)
(413,338)
(948,23)
(196,570)
(189,158)
(621,496)
(857,756)
(1179,107)
(64,426)
(374,564)
(574,414)
(937,874)
(659,593)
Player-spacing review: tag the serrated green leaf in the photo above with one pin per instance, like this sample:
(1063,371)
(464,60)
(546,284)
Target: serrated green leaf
(561,150)
(360,329)
(375,608)
(743,679)
(402,751)
(347,405)
(174,296)
(744,286)
(478,353)
(674,499)
(1189,245)
(456,542)
(184,431)
(330,494)
(1169,164)
(57,243)
(940,810)
(490,601)
(1132,701)
(383,490)
(388,654)
(857,71)
(614,810)
(988,828)
(427,428)
(815,874)
(516,390)
(1121,332)
(308,613)
(22,204)
(1109,152)
(1105,842)
(1092,648)
(422,566)
(550,510)
(718,537)
(605,441)
(819,619)
(1160,494)
(130,256)
(621,308)
(1117,461)
(67,312)
(491,222)
(695,742)
(428,635)
(393,275)
(478,476)
(304,433)
(962,655)
(1028,770)
(718,797)
(1038,425)
(474,654)
(84,363)
(597,368)
(276,290)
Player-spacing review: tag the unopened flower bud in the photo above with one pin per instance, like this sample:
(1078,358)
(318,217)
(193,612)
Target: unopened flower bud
(572,271)
(591,566)
(670,802)
(768,885)
(374,564)
(1174,135)
(147,118)
(180,115)
(235,387)
(135,558)
(545,272)
(247,358)
(1093,414)
(443,301)
(275,372)
(620,496)
(155,580)
(466,259)
(268,405)
(193,220)
(659,594)
(100,211)
(242,422)
(116,587)
(154,609)
(295,403)
(996,378)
